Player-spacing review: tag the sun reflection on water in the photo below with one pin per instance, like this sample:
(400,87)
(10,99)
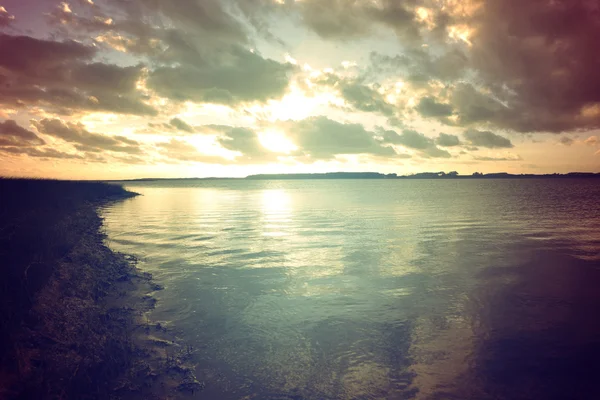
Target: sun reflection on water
(276,208)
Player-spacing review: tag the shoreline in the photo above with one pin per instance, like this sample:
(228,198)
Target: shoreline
(78,325)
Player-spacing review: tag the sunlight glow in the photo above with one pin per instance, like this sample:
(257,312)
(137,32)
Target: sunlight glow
(65,8)
(460,32)
(276,142)
(296,105)
(288,58)
(276,206)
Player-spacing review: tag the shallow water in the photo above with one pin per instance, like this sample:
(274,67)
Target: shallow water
(368,289)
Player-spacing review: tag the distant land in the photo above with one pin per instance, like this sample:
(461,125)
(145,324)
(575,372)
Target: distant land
(377,175)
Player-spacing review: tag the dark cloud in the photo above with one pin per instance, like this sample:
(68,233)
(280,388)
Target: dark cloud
(350,19)
(337,19)
(487,139)
(323,138)
(364,98)
(447,140)
(541,58)
(198,52)
(46,153)
(207,17)
(567,141)
(59,76)
(11,134)
(529,67)
(84,140)
(418,65)
(36,57)
(473,106)
(246,76)
(429,107)
(181,125)
(243,140)
(408,138)
(414,140)
(99,76)
(356,93)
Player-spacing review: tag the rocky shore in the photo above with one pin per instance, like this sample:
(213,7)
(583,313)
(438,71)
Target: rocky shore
(73,312)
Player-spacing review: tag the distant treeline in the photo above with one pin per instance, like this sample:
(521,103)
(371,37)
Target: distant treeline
(377,175)
(421,175)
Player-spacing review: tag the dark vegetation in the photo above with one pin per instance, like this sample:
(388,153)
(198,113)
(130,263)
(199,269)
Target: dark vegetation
(377,175)
(68,319)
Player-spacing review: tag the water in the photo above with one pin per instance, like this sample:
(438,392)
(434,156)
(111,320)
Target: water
(373,289)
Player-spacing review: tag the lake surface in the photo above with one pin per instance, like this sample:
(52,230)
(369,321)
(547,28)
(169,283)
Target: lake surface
(376,289)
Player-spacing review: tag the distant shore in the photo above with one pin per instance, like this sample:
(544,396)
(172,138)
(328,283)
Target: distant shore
(73,311)
(377,175)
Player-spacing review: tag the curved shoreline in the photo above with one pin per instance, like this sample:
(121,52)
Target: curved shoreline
(82,331)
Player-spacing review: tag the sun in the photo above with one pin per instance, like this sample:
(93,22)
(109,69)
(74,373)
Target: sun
(276,142)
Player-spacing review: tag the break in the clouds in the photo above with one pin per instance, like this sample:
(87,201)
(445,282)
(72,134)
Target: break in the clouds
(308,85)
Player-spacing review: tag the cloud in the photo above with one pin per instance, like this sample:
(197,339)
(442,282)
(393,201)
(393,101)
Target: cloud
(242,140)
(418,65)
(487,139)
(335,20)
(5,18)
(60,76)
(472,106)
(245,77)
(323,138)
(415,140)
(181,125)
(512,157)
(345,20)
(29,56)
(567,141)
(447,140)
(591,141)
(46,153)
(364,98)
(429,107)
(181,150)
(209,18)
(84,140)
(540,58)
(408,138)
(11,134)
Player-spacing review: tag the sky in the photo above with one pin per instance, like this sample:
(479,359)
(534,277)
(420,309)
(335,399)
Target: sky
(122,89)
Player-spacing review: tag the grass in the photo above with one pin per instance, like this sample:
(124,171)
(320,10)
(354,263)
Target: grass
(56,338)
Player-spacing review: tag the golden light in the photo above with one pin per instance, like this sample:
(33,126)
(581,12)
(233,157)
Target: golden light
(276,206)
(65,8)
(460,32)
(296,105)
(276,142)
(289,59)
(590,110)
(348,64)
(424,16)
(422,13)
(399,85)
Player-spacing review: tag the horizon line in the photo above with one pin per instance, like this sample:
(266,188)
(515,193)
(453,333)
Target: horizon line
(372,175)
